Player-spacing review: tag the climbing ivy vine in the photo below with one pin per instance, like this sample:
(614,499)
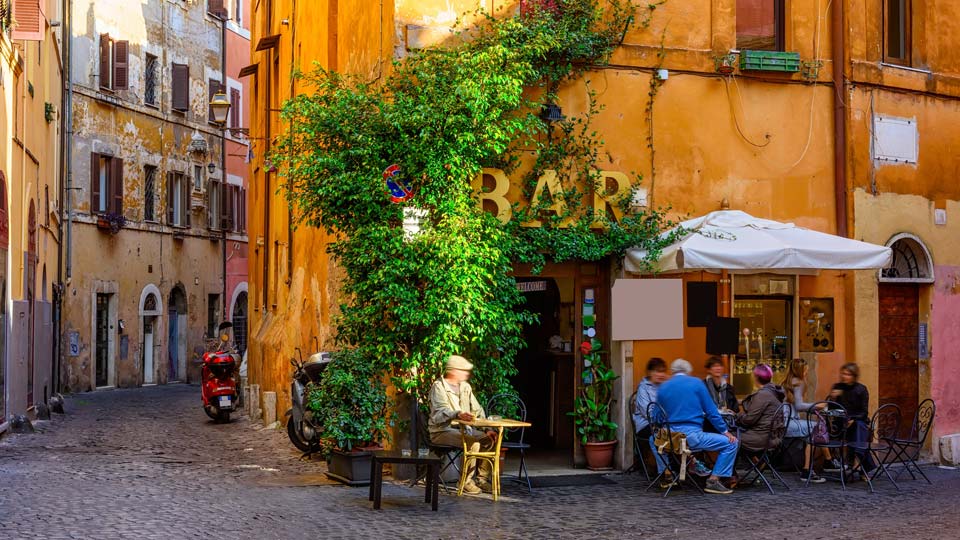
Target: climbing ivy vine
(442,115)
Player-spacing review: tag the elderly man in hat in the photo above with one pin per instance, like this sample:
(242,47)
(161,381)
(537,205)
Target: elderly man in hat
(451,398)
(686,402)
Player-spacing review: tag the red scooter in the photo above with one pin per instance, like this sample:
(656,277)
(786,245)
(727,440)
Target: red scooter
(218,377)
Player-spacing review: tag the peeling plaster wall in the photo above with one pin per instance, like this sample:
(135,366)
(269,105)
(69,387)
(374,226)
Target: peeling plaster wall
(120,124)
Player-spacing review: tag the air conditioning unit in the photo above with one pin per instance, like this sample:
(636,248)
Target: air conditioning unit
(950,449)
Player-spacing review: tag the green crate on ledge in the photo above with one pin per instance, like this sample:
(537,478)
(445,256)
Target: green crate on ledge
(785,62)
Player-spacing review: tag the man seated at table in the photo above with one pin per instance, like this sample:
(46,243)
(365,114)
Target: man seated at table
(686,402)
(451,398)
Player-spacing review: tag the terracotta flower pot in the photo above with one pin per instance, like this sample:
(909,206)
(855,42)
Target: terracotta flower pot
(599,455)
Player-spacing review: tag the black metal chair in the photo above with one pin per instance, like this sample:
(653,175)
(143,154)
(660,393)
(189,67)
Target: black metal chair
(907,450)
(884,424)
(451,453)
(829,419)
(510,405)
(639,463)
(671,445)
(787,444)
(758,461)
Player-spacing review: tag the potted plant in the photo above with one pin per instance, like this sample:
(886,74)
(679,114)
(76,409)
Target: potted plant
(349,403)
(112,222)
(591,410)
(725,63)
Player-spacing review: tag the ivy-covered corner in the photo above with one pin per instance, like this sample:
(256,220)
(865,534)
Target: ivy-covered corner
(365,158)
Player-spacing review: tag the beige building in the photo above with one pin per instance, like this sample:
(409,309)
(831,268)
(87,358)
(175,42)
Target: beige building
(150,206)
(30,161)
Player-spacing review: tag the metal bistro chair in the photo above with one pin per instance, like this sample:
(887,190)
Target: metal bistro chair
(511,406)
(830,419)
(759,460)
(884,424)
(451,453)
(673,445)
(639,463)
(907,451)
(787,444)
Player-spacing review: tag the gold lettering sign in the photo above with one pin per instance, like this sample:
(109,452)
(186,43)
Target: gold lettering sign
(549,189)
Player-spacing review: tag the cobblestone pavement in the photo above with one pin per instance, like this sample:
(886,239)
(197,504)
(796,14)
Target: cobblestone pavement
(147,463)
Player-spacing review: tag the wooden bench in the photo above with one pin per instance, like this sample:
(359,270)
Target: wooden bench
(431,461)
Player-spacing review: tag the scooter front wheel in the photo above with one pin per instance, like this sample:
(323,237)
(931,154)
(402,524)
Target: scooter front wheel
(296,437)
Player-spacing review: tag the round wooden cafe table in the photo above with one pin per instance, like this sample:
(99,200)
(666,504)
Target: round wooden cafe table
(499,424)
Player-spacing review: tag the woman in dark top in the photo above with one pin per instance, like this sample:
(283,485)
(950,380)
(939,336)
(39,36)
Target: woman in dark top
(855,398)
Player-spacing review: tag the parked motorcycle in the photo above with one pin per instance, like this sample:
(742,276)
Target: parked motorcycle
(218,376)
(303,433)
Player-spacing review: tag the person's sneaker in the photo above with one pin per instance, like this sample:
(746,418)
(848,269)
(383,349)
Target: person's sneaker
(700,469)
(814,477)
(471,488)
(715,487)
(832,466)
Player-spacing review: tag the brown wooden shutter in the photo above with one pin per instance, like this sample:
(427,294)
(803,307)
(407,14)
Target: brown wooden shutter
(105,61)
(212,87)
(116,186)
(121,69)
(224,207)
(185,204)
(234,108)
(30,20)
(94,182)
(243,210)
(170,216)
(215,7)
(180,87)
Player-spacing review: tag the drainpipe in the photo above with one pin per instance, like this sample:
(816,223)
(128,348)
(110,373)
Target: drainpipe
(65,208)
(223,167)
(839,119)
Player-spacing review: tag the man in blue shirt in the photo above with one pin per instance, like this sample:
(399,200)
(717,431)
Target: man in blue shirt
(686,402)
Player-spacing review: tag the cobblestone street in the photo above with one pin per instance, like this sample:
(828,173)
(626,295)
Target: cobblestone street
(147,463)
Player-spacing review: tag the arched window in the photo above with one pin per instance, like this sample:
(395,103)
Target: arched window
(911,261)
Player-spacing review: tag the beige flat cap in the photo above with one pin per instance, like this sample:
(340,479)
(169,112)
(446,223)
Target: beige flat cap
(458,362)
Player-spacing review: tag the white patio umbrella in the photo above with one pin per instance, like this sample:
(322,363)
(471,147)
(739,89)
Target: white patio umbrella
(740,243)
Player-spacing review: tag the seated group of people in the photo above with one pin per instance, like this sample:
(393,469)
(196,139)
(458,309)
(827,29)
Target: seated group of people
(696,408)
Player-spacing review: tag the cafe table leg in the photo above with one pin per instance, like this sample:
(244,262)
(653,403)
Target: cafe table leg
(378,492)
(429,484)
(373,475)
(434,473)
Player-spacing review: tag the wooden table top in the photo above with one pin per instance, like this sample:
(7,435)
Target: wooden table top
(488,422)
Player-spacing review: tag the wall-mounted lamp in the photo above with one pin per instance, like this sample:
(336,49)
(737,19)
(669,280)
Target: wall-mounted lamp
(211,167)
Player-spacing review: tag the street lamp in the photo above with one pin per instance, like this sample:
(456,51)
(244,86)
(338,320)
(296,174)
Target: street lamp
(221,108)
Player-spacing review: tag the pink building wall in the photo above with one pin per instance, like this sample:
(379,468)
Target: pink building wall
(945,358)
(237,58)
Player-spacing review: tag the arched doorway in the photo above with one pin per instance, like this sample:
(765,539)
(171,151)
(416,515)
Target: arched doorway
(899,348)
(31,297)
(4,247)
(177,342)
(239,319)
(150,311)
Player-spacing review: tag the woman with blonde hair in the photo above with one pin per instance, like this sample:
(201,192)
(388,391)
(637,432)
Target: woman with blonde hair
(794,384)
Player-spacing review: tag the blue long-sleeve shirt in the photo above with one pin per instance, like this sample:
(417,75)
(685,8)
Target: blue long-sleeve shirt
(686,401)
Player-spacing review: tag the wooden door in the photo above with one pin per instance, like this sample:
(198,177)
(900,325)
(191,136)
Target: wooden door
(899,349)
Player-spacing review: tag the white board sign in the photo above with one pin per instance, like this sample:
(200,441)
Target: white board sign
(647,309)
(895,139)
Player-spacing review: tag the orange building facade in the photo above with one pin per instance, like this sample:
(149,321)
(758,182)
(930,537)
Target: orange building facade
(789,146)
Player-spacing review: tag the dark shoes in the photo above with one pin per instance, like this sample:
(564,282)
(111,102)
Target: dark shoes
(814,477)
(716,488)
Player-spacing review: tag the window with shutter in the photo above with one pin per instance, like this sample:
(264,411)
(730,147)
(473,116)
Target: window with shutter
(216,8)
(29,20)
(106,53)
(180,87)
(185,203)
(235,108)
(149,193)
(212,200)
(121,51)
(224,208)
